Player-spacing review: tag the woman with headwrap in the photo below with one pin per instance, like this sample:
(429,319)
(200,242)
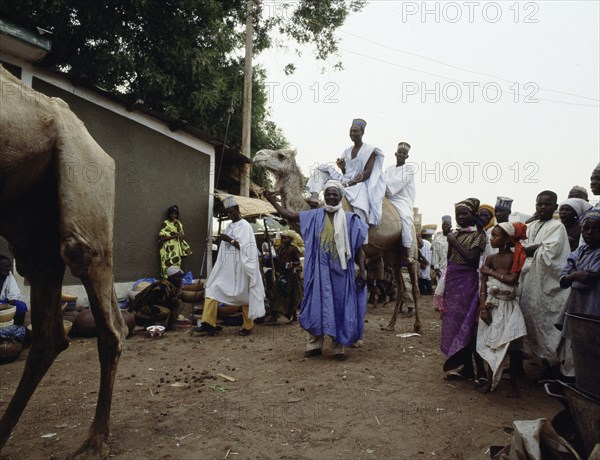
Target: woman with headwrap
(460,299)
(287,290)
(570,211)
(335,299)
(173,247)
(501,320)
(487,218)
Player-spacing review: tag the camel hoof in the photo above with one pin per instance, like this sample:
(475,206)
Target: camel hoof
(91,451)
(389,327)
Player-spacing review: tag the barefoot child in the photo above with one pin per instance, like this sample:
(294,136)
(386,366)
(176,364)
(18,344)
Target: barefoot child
(501,320)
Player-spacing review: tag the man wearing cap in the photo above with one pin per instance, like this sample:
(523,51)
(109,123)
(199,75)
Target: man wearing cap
(361,166)
(595,182)
(401,191)
(235,278)
(578,192)
(439,247)
(335,300)
(501,212)
(159,302)
(542,299)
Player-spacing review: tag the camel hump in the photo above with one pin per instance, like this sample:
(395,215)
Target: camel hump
(388,234)
(38,134)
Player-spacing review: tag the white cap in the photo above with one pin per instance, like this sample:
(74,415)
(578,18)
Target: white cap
(229,202)
(173,270)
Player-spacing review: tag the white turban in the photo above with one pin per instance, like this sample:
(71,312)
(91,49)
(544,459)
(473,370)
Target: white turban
(579,206)
(173,270)
(335,184)
(508,228)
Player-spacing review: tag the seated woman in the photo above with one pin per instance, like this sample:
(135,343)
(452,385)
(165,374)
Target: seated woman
(173,247)
(159,303)
(9,290)
(287,292)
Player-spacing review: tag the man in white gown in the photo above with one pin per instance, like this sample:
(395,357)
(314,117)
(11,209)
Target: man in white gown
(542,299)
(361,174)
(235,278)
(401,191)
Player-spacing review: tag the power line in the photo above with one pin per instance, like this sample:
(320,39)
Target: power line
(461,68)
(457,80)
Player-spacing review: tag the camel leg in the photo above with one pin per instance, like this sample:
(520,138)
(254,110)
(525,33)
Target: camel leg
(111,330)
(412,271)
(48,337)
(397,268)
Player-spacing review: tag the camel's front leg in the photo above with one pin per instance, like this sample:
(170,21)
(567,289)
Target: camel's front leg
(401,289)
(48,340)
(412,271)
(111,330)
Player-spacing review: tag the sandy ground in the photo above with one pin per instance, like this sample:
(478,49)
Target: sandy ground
(388,401)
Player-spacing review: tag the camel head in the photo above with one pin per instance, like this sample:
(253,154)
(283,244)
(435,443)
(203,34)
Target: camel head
(280,162)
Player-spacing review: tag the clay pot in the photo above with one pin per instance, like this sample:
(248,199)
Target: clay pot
(129,319)
(85,326)
(198,286)
(228,310)
(9,351)
(192,296)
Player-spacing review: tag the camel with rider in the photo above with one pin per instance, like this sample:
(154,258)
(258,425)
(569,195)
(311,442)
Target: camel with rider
(385,239)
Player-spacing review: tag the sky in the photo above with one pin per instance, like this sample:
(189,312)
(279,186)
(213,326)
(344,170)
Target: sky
(495,98)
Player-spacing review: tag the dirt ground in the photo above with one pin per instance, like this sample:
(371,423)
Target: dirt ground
(388,401)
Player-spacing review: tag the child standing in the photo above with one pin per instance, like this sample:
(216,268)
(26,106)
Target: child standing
(501,321)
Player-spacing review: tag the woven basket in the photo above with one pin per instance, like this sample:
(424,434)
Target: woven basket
(68,297)
(7,312)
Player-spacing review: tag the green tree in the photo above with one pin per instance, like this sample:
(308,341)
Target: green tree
(184,57)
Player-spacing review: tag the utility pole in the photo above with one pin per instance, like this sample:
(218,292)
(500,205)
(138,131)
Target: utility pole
(247,108)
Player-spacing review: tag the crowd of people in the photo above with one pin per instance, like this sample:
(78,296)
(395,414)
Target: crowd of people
(503,288)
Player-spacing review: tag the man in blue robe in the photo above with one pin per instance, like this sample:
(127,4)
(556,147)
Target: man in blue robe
(335,299)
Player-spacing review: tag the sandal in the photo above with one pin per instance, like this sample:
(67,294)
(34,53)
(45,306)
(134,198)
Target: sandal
(456,375)
(313,353)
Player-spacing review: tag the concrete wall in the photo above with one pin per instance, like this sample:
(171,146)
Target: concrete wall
(153,171)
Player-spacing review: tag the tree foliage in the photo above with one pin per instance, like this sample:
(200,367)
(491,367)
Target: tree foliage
(184,57)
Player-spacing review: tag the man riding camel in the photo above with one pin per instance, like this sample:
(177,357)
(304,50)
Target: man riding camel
(361,166)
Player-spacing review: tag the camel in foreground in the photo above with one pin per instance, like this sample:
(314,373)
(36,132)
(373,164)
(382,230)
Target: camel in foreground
(385,239)
(53,217)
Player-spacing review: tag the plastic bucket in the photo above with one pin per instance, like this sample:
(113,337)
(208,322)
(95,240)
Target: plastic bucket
(584,331)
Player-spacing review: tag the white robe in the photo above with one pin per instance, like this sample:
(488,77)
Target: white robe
(542,298)
(365,197)
(507,325)
(489,250)
(440,251)
(235,278)
(401,191)
(427,253)
(10,289)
